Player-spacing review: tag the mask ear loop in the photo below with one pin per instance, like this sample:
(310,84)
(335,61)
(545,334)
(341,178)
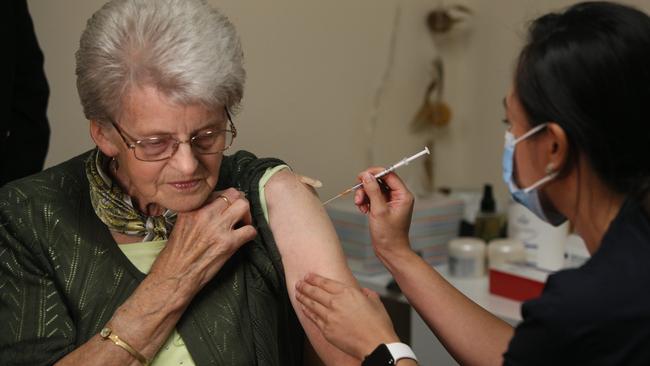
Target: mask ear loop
(550,174)
(541,182)
(530,132)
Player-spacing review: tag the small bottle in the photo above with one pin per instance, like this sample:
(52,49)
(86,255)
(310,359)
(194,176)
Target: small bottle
(488,224)
(466,257)
(506,251)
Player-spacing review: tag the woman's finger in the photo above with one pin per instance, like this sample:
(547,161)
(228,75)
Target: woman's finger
(224,199)
(237,213)
(245,234)
(219,201)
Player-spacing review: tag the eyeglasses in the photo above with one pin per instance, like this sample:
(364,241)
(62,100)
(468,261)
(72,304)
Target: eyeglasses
(158,148)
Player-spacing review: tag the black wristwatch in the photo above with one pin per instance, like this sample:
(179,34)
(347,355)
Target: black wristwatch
(388,354)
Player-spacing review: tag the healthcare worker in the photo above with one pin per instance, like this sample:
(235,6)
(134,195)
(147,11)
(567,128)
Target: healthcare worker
(577,147)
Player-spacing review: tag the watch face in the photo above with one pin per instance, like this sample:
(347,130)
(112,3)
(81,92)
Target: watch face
(379,357)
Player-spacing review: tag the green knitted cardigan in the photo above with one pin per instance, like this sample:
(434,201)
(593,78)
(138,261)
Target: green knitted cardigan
(62,276)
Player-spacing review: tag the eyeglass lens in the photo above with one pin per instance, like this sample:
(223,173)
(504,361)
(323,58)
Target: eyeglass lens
(160,148)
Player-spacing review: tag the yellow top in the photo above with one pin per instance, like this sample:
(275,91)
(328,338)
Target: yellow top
(142,255)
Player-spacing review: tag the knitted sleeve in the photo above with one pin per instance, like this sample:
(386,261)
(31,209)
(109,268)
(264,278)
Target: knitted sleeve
(37,327)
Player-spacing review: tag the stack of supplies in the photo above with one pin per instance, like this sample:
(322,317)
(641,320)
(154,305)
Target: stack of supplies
(435,222)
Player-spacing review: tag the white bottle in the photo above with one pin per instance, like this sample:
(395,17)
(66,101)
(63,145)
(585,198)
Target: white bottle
(506,251)
(576,252)
(544,243)
(467,257)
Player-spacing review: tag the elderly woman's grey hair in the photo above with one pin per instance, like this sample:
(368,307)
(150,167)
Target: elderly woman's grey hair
(186,49)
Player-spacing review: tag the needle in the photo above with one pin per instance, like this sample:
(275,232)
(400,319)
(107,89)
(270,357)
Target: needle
(400,163)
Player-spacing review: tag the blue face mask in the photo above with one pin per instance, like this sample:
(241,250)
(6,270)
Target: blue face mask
(528,197)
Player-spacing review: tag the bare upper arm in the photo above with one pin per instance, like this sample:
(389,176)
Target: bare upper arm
(307,243)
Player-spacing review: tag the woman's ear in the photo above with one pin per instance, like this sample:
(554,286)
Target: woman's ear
(558,153)
(104,138)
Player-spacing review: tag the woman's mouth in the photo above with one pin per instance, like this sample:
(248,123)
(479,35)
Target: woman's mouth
(187,185)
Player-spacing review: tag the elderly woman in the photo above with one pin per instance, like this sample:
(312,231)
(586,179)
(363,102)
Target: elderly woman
(156,247)
(577,148)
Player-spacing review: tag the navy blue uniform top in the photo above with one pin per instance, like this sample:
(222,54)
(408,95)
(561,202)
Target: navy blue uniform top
(598,314)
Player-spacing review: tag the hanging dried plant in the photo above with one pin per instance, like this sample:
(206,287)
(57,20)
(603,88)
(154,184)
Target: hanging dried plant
(434,111)
(442,19)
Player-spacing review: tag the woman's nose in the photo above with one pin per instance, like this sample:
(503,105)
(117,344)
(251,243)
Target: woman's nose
(184,159)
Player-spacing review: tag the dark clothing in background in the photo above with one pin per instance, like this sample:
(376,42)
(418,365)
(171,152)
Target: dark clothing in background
(598,314)
(24,129)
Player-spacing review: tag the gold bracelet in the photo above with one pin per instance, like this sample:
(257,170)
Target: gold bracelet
(107,333)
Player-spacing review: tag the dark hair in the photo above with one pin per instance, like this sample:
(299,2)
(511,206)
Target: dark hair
(588,69)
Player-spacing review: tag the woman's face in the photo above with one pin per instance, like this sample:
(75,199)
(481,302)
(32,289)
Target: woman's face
(529,168)
(180,183)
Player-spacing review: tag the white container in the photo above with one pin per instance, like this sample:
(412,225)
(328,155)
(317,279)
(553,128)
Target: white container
(506,251)
(467,257)
(544,243)
(576,252)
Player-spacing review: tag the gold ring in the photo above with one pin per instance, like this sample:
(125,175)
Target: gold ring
(225,199)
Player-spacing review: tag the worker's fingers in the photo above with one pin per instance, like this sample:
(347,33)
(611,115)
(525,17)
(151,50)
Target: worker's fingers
(374,193)
(361,199)
(312,310)
(394,183)
(359,196)
(327,284)
(370,293)
(314,293)
(372,170)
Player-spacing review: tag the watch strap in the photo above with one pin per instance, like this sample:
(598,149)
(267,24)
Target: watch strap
(400,350)
(388,354)
(379,357)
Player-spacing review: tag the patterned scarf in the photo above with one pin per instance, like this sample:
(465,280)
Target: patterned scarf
(115,208)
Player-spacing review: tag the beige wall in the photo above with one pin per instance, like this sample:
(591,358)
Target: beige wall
(313,69)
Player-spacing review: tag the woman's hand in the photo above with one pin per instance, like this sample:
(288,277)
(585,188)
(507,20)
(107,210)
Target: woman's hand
(353,320)
(200,243)
(389,213)
(204,239)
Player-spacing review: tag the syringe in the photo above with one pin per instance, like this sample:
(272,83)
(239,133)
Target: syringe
(400,163)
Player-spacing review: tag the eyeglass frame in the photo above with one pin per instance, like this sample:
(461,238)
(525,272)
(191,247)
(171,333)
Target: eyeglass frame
(177,142)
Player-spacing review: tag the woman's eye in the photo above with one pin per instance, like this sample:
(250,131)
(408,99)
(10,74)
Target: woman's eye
(154,143)
(206,140)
